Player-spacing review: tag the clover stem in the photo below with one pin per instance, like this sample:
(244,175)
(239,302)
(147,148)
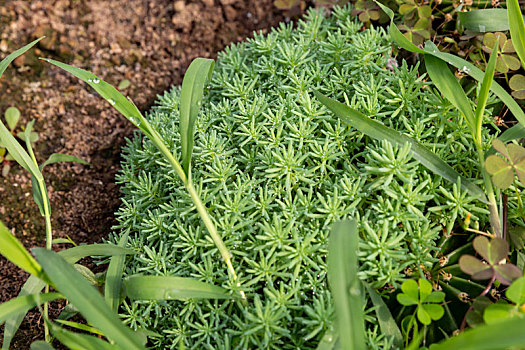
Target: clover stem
(483,293)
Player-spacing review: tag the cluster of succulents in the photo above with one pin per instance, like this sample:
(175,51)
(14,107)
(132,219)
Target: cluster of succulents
(275,169)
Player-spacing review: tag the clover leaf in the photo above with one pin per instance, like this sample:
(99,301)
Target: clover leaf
(494,265)
(502,170)
(421,294)
(506,59)
(517,84)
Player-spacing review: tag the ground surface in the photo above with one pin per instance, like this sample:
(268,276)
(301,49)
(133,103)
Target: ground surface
(149,43)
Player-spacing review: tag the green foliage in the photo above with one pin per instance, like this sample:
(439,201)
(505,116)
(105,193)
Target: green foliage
(276,170)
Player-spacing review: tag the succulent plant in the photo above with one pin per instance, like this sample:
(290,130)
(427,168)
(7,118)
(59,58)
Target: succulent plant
(276,169)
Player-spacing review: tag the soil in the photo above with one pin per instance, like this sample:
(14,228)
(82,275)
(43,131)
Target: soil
(150,43)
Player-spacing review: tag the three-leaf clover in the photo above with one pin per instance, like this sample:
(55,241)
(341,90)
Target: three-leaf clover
(502,169)
(494,253)
(501,311)
(506,59)
(421,294)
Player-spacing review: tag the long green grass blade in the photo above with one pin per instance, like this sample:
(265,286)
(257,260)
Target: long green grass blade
(59,157)
(86,299)
(14,251)
(455,61)
(11,57)
(77,341)
(113,284)
(345,285)
(72,255)
(125,106)
(199,71)
(485,20)
(449,86)
(517,29)
(503,335)
(80,326)
(34,285)
(387,323)
(41,345)
(380,132)
(483,94)
(24,304)
(171,288)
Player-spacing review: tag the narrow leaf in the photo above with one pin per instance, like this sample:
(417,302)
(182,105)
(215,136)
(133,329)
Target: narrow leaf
(113,284)
(59,157)
(380,132)
(195,78)
(387,323)
(72,255)
(14,251)
(80,326)
(344,284)
(171,288)
(86,299)
(23,304)
(41,345)
(125,106)
(10,58)
(484,91)
(485,20)
(77,341)
(449,86)
(517,29)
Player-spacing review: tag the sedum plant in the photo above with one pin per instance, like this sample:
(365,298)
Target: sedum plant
(274,171)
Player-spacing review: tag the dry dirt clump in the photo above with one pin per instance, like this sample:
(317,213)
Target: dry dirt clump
(150,43)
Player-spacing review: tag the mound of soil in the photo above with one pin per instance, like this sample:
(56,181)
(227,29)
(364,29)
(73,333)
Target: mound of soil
(150,43)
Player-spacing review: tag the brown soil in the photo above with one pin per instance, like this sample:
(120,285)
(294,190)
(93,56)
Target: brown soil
(150,43)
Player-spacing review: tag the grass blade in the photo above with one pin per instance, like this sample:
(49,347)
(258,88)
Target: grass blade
(77,341)
(125,106)
(449,86)
(113,284)
(345,286)
(386,322)
(509,334)
(33,285)
(72,255)
(86,299)
(41,345)
(14,251)
(195,78)
(11,57)
(23,304)
(59,157)
(484,92)
(517,29)
(80,326)
(485,20)
(171,288)
(380,132)
(455,61)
